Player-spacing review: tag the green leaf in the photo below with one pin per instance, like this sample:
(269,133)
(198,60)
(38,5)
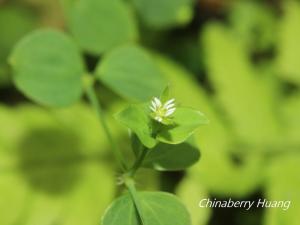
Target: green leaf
(135,118)
(48,68)
(288,46)
(166,157)
(165,14)
(99,25)
(131,73)
(157,207)
(185,123)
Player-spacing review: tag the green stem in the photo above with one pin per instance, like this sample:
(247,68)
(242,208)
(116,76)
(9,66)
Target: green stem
(138,162)
(97,107)
(133,193)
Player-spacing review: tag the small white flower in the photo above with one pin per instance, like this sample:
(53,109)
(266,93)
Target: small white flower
(162,111)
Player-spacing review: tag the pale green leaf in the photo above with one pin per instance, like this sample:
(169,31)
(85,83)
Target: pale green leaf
(157,207)
(100,25)
(48,68)
(131,73)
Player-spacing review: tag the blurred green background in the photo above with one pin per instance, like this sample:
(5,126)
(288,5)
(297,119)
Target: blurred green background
(237,61)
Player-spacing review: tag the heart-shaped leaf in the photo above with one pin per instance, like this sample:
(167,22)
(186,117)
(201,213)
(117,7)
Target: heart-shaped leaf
(157,208)
(48,68)
(99,25)
(131,73)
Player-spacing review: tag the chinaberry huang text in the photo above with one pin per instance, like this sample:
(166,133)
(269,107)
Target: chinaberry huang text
(260,203)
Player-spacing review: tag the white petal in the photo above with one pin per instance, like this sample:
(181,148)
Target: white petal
(170,101)
(170,111)
(173,109)
(152,108)
(169,106)
(154,105)
(157,101)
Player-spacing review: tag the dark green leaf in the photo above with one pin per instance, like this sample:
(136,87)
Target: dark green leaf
(166,157)
(165,14)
